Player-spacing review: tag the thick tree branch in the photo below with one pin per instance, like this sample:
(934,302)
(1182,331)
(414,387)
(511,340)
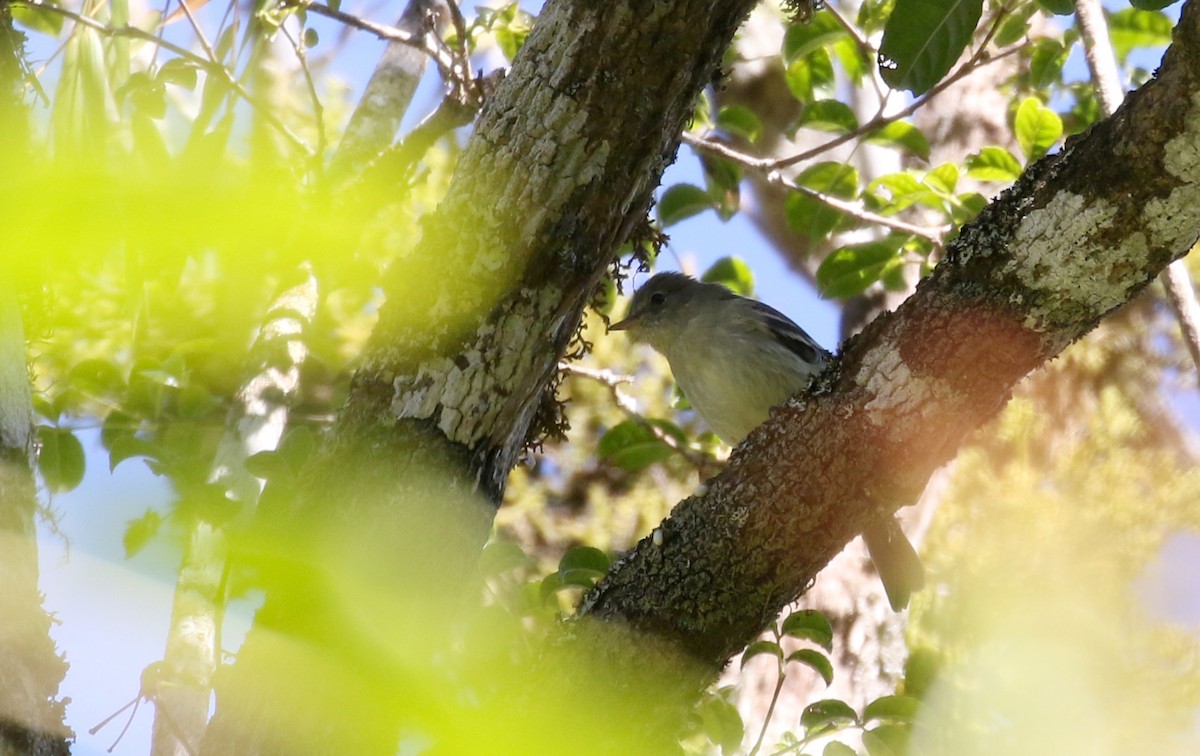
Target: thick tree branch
(1080,234)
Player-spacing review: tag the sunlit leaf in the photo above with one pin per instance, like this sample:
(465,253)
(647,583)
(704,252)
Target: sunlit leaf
(903,135)
(632,446)
(1037,127)
(732,273)
(850,270)
(886,740)
(1130,28)
(741,121)
(903,708)
(828,115)
(993,164)
(825,713)
(807,214)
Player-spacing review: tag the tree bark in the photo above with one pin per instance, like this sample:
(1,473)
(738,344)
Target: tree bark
(458,376)
(1079,235)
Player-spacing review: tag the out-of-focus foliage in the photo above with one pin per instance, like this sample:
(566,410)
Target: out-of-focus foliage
(174,190)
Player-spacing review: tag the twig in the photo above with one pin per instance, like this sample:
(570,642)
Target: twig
(854,210)
(880,121)
(780,677)
(420,41)
(211,67)
(318,108)
(613,381)
(1102,64)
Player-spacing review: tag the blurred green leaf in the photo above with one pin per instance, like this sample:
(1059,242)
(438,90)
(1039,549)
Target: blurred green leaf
(801,40)
(60,458)
(682,201)
(502,555)
(808,215)
(733,273)
(1046,62)
(806,77)
(810,625)
(850,270)
(126,447)
(828,115)
(903,135)
(1016,25)
(740,121)
(815,660)
(38,19)
(1151,5)
(1058,7)
(721,723)
(139,532)
(886,740)
(943,178)
(835,748)
(632,446)
(903,708)
(1037,128)
(584,558)
(1130,28)
(993,164)
(923,39)
(180,72)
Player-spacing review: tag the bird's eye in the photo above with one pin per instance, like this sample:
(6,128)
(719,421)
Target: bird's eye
(657,298)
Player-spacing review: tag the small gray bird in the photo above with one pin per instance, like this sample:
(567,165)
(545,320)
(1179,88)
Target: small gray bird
(735,359)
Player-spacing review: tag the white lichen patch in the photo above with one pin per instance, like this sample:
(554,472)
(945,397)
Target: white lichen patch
(1054,256)
(898,394)
(1172,222)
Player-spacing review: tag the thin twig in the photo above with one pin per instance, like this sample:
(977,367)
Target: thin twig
(1102,64)
(421,42)
(933,234)
(780,677)
(613,381)
(318,108)
(209,66)
(880,121)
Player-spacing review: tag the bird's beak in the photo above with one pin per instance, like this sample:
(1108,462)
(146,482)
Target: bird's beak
(624,325)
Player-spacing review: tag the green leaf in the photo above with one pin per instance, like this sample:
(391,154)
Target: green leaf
(886,740)
(854,62)
(267,464)
(733,273)
(801,40)
(501,556)
(721,723)
(902,708)
(584,558)
(1131,28)
(815,660)
(808,215)
(834,748)
(38,19)
(632,446)
(828,115)
(682,201)
(180,72)
(310,38)
(139,532)
(1058,7)
(829,712)
(1046,62)
(1015,26)
(760,647)
(849,271)
(126,447)
(993,164)
(923,39)
(1037,128)
(117,424)
(60,458)
(740,121)
(810,625)
(943,178)
(1151,5)
(96,378)
(805,77)
(903,135)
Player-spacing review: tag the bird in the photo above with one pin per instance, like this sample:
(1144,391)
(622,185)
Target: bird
(735,358)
